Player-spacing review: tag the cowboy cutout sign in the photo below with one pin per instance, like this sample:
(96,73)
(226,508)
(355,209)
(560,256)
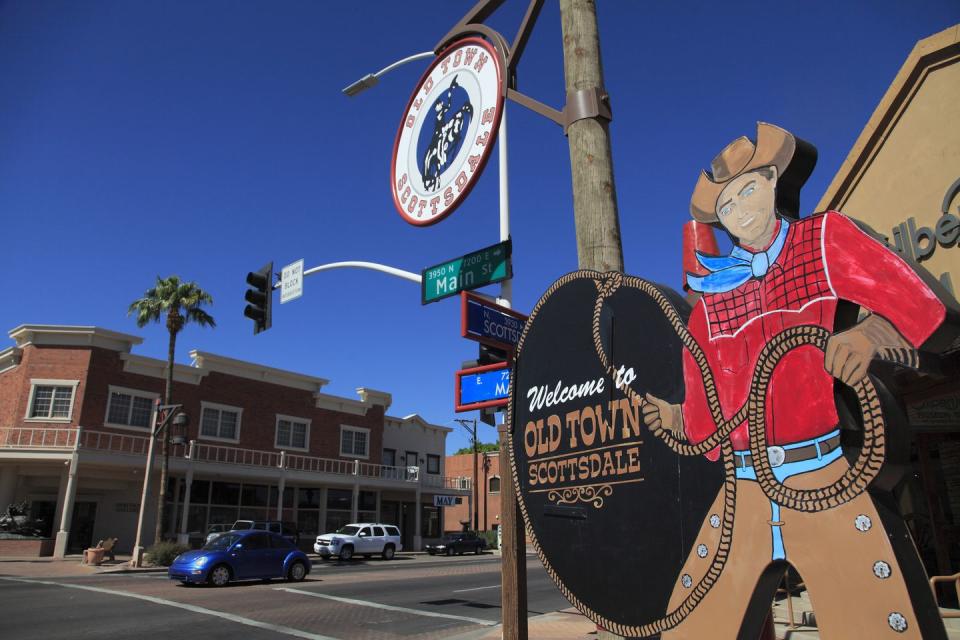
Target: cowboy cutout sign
(744,394)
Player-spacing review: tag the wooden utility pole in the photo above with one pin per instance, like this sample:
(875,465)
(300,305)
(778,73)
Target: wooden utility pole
(591,164)
(513,552)
(594,193)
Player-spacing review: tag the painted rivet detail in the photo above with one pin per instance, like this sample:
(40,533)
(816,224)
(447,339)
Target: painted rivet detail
(897,622)
(702,550)
(881,569)
(863,522)
(714,520)
(686,580)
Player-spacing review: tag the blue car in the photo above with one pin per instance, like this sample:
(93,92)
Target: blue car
(241,555)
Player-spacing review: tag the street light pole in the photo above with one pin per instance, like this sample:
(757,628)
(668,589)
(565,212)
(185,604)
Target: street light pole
(172,413)
(472,429)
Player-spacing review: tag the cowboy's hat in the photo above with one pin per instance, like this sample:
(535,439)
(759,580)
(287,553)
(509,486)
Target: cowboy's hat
(774,147)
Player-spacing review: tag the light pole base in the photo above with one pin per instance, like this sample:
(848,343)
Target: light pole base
(60,545)
(136,559)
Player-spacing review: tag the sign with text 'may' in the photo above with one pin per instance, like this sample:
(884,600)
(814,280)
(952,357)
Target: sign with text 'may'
(592,481)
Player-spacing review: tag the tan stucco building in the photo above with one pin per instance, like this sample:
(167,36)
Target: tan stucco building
(902,178)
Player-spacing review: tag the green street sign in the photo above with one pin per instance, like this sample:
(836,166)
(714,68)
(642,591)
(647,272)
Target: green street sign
(471,271)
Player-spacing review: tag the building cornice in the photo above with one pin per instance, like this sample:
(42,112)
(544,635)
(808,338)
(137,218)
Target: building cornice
(374,397)
(72,336)
(9,358)
(415,419)
(252,371)
(155,368)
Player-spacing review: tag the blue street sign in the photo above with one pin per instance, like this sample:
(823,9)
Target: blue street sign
(483,387)
(490,323)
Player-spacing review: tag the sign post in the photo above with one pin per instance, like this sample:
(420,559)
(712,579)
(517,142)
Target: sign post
(477,269)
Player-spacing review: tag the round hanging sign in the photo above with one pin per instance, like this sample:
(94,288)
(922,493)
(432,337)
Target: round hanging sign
(447,132)
(612,511)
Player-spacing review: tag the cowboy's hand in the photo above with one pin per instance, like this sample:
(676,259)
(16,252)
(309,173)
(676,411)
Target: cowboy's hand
(660,413)
(849,353)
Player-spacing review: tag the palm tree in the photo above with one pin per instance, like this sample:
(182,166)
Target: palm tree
(177,303)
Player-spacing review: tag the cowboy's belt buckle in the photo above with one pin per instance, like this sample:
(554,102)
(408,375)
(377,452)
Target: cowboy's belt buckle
(776,455)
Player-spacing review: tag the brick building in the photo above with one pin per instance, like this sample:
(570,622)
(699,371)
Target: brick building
(488,503)
(76,408)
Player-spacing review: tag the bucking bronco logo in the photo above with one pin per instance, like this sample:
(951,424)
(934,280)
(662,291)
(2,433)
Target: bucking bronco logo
(450,122)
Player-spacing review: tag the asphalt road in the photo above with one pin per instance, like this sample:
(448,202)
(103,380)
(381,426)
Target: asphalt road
(411,598)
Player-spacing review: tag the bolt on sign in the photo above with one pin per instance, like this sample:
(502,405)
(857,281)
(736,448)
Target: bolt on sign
(447,133)
(480,268)
(592,482)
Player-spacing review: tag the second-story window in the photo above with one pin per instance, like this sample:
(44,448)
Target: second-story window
(433,463)
(354,442)
(390,457)
(130,407)
(494,484)
(292,433)
(51,400)
(220,422)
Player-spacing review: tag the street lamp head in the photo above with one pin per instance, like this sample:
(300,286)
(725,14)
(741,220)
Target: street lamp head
(178,432)
(362,84)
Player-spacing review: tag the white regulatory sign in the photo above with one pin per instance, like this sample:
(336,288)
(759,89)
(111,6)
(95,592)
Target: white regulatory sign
(291,281)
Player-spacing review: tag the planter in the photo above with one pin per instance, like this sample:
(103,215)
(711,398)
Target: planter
(26,547)
(93,556)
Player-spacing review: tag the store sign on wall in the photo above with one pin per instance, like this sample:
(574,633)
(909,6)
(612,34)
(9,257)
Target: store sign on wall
(448,131)
(920,242)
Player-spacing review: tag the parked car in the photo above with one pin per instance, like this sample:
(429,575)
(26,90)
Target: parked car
(287,529)
(241,555)
(214,530)
(365,538)
(457,543)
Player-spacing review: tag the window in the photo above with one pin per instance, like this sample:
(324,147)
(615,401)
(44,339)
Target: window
(220,422)
(292,433)
(390,457)
(354,442)
(433,463)
(256,541)
(378,532)
(494,484)
(51,400)
(130,408)
(412,459)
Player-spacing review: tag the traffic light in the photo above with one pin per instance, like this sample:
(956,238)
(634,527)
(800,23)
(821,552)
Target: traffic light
(260,298)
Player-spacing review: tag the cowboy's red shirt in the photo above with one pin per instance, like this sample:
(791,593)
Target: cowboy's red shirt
(826,257)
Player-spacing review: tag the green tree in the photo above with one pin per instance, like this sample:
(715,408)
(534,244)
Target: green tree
(482,447)
(176,303)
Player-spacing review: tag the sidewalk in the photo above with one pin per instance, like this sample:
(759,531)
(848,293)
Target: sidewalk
(33,567)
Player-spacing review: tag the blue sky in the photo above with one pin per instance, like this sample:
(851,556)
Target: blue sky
(206,138)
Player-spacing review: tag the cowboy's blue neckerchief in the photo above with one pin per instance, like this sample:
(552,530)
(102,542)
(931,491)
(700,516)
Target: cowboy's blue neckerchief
(730,271)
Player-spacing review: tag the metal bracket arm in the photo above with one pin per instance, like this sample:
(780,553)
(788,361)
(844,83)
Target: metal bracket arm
(586,103)
(583,104)
(536,106)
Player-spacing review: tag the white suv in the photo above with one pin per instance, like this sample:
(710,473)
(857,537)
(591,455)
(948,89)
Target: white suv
(364,538)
